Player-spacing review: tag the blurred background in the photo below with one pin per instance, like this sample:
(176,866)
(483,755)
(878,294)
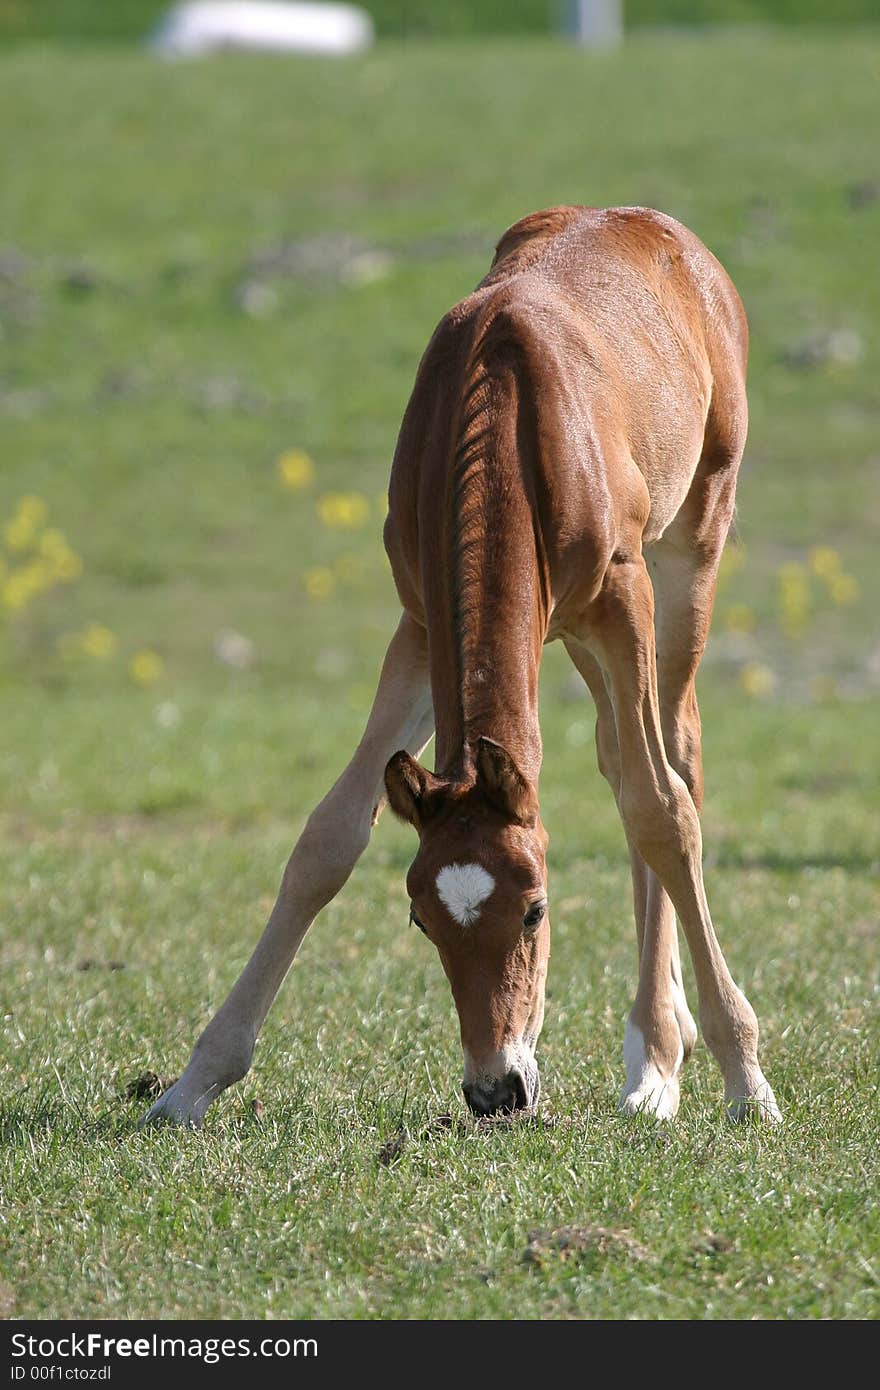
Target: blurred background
(217,277)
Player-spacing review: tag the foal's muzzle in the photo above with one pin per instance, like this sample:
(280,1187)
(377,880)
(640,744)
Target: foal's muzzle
(503,1096)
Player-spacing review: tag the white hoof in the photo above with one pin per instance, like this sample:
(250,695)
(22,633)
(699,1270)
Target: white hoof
(654,1097)
(647,1091)
(758,1104)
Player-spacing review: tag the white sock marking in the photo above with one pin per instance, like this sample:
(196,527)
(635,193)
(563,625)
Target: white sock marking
(645,1088)
(463,888)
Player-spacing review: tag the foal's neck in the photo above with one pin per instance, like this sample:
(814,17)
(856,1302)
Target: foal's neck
(497,694)
(487,639)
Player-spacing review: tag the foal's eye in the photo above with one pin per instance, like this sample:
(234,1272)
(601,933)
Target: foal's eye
(415,920)
(534,915)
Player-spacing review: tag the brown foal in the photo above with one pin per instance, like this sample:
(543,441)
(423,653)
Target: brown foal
(566,468)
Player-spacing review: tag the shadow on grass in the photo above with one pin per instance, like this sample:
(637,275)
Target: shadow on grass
(19,1121)
(49,1115)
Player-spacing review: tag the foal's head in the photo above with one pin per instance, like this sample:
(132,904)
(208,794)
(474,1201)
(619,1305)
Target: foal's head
(478,888)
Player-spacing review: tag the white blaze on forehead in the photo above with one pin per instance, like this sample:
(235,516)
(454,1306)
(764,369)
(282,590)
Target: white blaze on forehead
(463,888)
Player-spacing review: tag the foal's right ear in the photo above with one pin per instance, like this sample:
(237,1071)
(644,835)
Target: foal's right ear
(412,789)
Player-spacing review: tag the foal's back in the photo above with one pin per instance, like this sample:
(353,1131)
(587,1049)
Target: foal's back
(617,346)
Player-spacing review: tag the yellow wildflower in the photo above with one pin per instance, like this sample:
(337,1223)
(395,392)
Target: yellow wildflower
(67,566)
(344,511)
(824,561)
(61,559)
(757,681)
(16,594)
(843,588)
(19,533)
(793,592)
(296,469)
(39,577)
(33,509)
(319,582)
(146,667)
(98,641)
(24,583)
(53,542)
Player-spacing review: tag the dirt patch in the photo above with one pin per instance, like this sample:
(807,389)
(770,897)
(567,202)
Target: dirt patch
(147,1086)
(863,194)
(440,1125)
(709,1243)
(577,1243)
(392,1149)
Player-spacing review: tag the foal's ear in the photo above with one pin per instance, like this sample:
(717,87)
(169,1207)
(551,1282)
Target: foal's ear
(412,789)
(503,785)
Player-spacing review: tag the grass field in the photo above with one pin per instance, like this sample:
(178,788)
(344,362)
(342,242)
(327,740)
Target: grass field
(215,284)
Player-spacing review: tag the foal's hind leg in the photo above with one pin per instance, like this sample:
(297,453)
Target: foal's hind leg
(335,836)
(660,1032)
(661,821)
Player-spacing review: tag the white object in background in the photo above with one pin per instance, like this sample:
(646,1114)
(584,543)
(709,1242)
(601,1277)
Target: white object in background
(595,23)
(208,26)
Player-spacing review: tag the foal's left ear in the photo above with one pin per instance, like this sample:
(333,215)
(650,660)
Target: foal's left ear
(503,785)
(413,791)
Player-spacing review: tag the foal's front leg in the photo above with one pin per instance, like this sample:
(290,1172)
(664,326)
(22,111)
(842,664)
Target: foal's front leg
(336,834)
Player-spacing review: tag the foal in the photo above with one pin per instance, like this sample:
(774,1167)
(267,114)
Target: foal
(566,469)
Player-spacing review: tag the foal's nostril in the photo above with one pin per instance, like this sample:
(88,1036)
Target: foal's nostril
(504,1096)
(522,1095)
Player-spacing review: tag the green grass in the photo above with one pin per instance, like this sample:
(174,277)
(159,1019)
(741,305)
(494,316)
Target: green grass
(154,363)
